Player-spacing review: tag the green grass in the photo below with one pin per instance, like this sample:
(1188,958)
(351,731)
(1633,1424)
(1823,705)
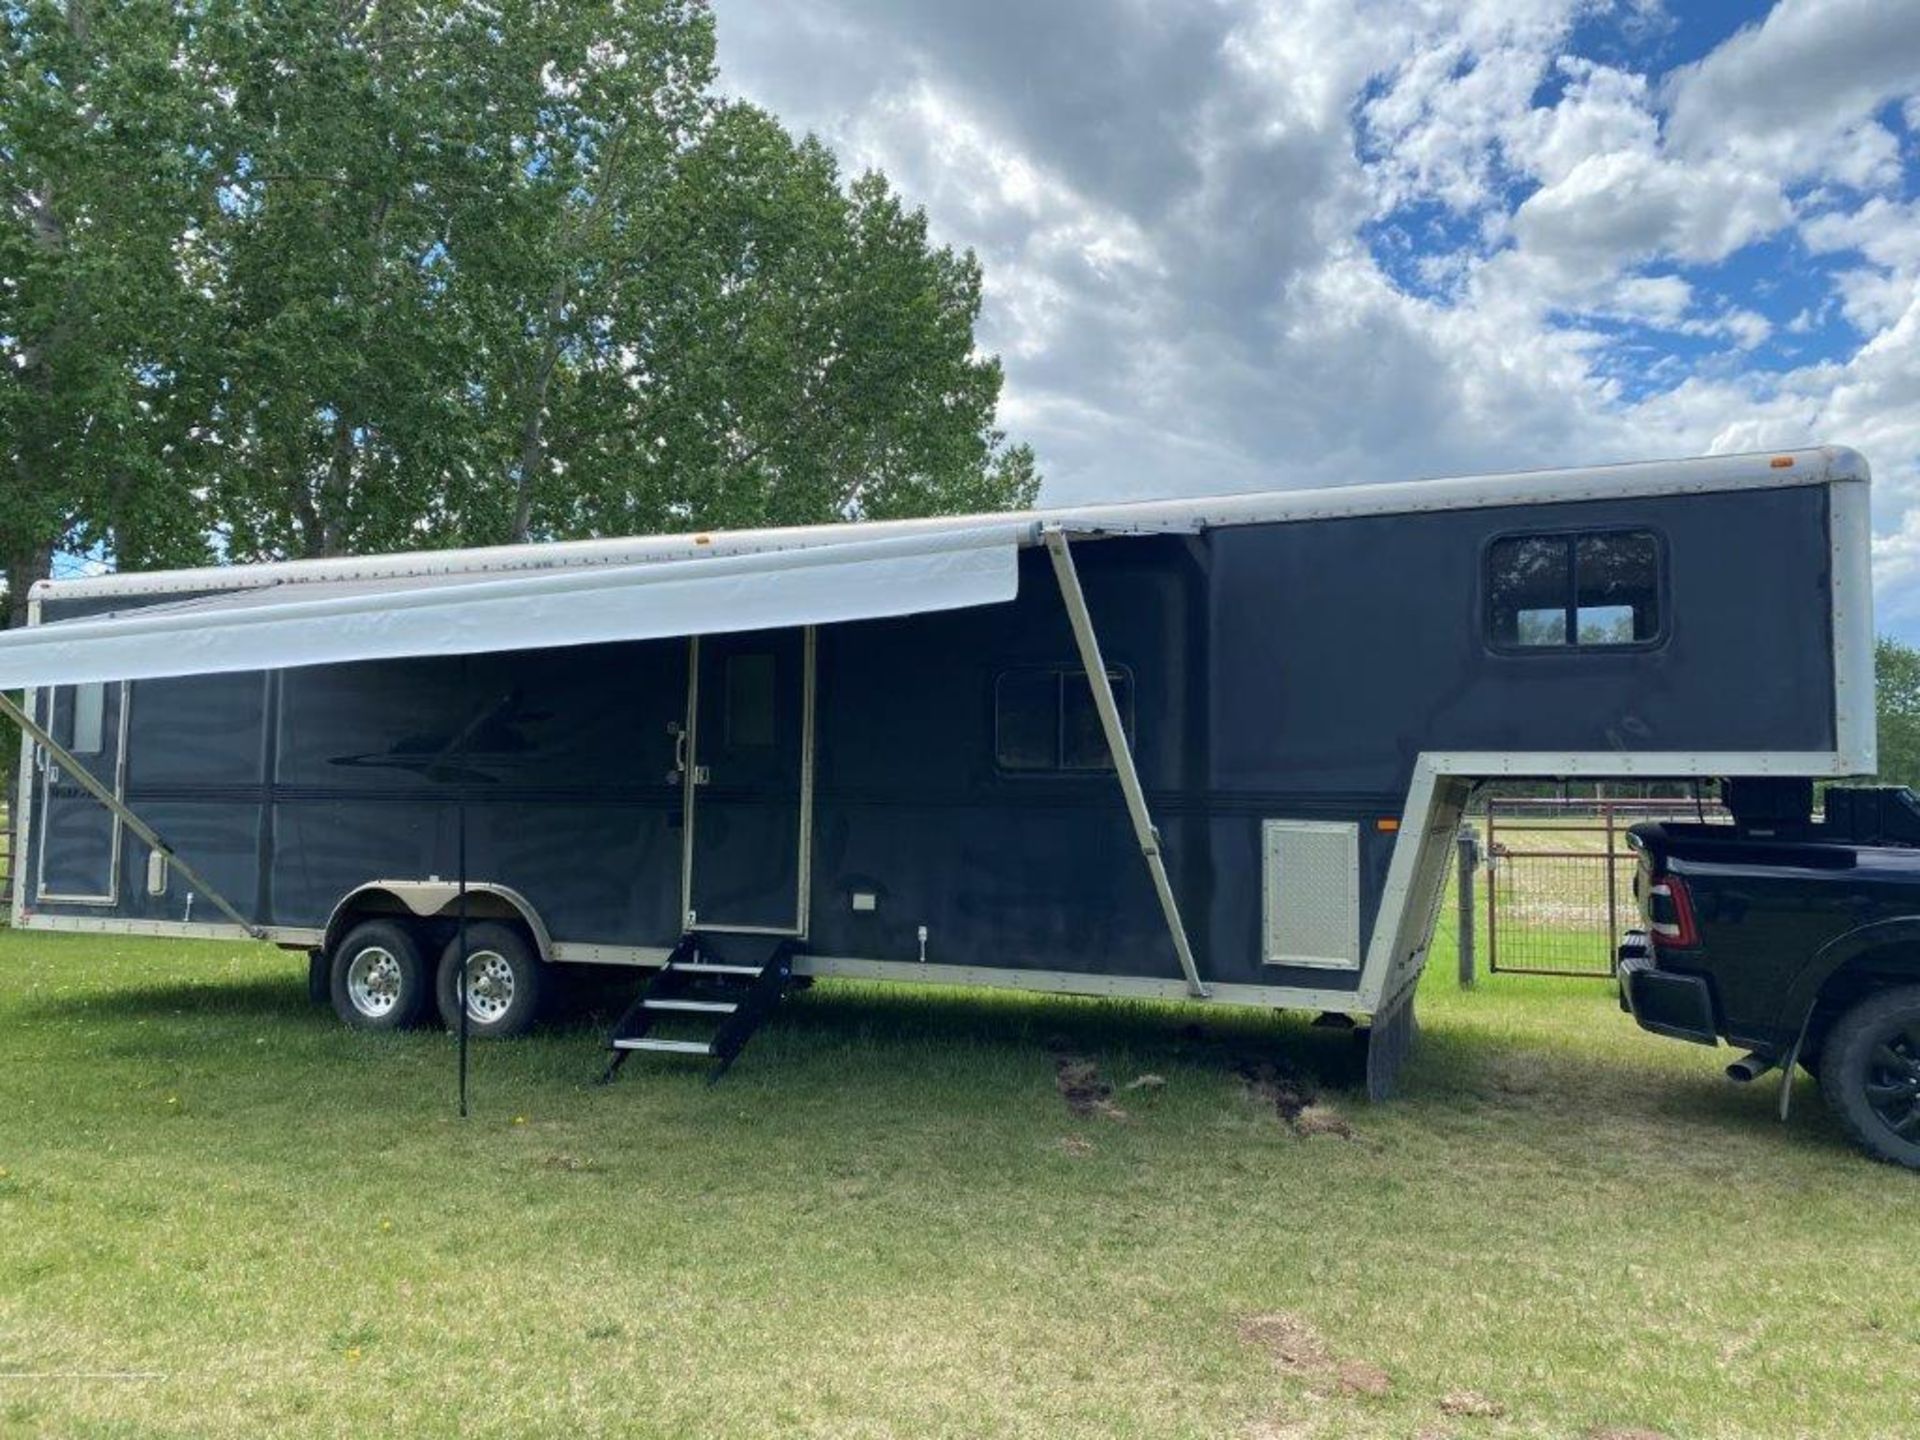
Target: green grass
(885,1222)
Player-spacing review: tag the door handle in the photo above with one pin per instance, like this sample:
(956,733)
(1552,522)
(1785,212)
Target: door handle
(678,773)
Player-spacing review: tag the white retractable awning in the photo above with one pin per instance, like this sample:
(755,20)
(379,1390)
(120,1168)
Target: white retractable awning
(292,623)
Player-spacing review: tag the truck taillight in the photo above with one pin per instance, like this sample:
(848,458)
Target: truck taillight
(1670,913)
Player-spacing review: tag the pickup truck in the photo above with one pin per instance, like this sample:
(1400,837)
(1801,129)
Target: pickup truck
(1794,939)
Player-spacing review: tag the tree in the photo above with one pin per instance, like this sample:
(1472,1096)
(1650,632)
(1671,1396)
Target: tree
(1896,672)
(491,275)
(323,276)
(106,170)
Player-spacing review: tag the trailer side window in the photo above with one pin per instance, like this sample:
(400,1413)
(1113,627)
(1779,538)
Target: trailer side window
(89,719)
(1587,590)
(1045,720)
(751,685)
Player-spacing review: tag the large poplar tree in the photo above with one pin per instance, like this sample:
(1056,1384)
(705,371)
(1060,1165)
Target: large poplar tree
(311,277)
(323,276)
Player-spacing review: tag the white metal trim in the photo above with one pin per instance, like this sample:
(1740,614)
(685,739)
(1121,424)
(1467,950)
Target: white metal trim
(288,936)
(810,693)
(1390,936)
(111,896)
(803,887)
(23,793)
(587,952)
(429,898)
(688,771)
(1850,530)
(1626,764)
(1824,465)
(1068,982)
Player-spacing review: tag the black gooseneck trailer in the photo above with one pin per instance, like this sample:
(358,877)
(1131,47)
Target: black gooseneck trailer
(1202,748)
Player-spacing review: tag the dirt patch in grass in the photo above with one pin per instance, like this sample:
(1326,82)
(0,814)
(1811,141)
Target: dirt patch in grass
(1275,1085)
(1472,1404)
(1296,1347)
(1293,1098)
(1357,1377)
(1078,1146)
(1293,1344)
(1624,1432)
(1320,1119)
(1086,1091)
(1279,1430)
(568,1164)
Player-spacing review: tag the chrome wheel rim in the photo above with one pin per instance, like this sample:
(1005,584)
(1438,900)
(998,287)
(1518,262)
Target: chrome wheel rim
(373,982)
(489,986)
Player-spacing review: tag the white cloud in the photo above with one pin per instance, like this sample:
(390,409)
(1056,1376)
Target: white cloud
(1624,206)
(1277,242)
(1796,93)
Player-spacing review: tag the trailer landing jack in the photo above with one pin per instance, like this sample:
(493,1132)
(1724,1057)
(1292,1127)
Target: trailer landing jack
(732,983)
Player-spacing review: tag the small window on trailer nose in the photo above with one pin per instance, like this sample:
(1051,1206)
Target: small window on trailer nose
(1575,590)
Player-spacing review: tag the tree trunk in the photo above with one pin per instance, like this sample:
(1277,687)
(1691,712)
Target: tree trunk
(533,426)
(25,563)
(532,446)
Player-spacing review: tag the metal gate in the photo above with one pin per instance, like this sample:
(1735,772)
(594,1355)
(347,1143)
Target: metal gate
(1559,880)
(6,864)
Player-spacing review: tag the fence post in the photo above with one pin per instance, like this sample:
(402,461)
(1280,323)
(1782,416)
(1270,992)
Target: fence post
(1467,844)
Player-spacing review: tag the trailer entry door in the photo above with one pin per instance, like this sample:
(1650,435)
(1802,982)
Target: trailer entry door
(750,740)
(80,837)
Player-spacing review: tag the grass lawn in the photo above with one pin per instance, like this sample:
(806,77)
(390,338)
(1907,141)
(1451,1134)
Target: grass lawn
(886,1222)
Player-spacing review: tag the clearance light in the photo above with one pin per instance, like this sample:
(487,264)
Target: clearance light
(1781,462)
(1386,826)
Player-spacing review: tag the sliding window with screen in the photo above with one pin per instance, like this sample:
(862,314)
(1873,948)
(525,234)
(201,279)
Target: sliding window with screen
(1583,590)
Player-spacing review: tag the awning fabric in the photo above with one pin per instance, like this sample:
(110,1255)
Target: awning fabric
(322,622)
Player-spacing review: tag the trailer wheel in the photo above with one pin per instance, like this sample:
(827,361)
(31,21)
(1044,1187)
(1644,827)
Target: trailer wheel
(1870,1074)
(505,981)
(378,980)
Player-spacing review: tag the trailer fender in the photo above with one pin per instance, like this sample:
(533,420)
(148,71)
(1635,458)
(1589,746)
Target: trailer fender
(437,899)
(1896,937)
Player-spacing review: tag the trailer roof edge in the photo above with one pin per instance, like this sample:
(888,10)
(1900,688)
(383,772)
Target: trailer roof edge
(1820,465)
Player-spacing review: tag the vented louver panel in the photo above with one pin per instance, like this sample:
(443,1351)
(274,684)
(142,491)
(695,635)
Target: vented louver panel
(1310,884)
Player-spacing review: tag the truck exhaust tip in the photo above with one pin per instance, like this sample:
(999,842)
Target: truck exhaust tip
(1750,1067)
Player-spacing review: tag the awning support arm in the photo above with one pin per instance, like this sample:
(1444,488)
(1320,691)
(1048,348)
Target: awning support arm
(1123,767)
(119,807)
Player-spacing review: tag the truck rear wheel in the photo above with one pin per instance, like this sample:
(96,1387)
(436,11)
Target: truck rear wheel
(1870,1074)
(505,980)
(377,979)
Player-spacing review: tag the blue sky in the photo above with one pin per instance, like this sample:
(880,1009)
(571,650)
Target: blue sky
(1237,244)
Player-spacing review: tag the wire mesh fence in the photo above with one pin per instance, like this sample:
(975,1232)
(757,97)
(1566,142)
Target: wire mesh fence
(6,865)
(1558,877)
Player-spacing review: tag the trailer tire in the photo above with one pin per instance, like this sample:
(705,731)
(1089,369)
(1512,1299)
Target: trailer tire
(506,979)
(1870,1074)
(377,978)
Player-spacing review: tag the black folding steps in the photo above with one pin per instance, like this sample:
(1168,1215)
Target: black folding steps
(731,983)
